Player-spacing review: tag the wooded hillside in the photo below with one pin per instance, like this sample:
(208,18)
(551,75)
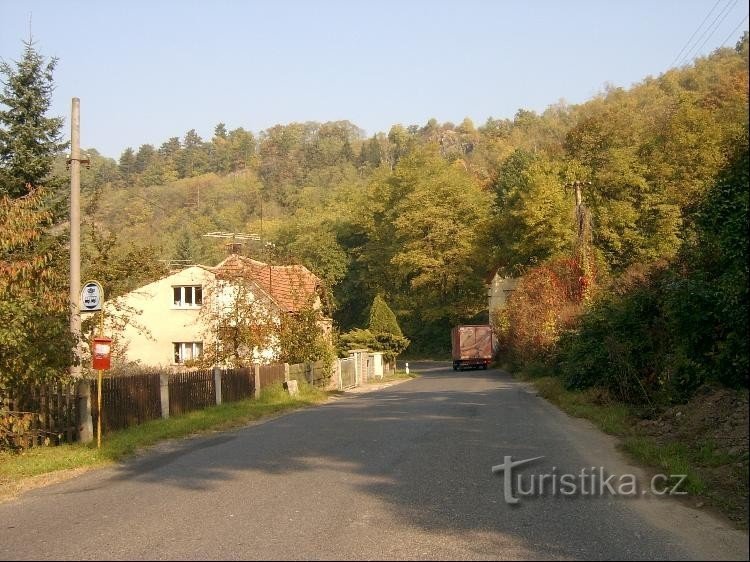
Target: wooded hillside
(422,214)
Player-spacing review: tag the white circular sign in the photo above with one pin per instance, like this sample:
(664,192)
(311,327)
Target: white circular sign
(92,296)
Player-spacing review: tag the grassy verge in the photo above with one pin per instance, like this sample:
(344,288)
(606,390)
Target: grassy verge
(712,476)
(15,468)
(398,376)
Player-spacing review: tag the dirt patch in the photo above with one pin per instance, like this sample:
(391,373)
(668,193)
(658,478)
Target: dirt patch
(713,426)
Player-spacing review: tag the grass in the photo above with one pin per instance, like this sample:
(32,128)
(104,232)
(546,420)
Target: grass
(17,467)
(397,376)
(712,475)
(671,458)
(621,420)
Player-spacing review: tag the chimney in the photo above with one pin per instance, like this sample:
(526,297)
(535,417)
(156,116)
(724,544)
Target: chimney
(234,247)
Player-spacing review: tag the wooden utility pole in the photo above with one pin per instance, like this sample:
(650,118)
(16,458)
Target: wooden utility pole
(85,427)
(75,231)
(582,234)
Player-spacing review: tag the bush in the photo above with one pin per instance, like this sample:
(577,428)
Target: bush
(390,344)
(615,346)
(546,302)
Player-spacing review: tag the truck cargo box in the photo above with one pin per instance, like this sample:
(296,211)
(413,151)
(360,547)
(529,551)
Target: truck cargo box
(472,346)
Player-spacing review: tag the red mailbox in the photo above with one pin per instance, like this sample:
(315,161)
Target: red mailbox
(102,352)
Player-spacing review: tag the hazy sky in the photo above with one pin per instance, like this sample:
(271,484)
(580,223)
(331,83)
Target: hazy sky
(147,71)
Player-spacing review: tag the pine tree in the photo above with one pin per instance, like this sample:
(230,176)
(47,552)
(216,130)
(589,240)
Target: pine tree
(127,164)
(28,139)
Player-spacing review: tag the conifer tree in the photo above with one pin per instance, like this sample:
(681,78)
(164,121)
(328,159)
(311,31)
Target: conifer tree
(382,319)
(29,139)
(35,343)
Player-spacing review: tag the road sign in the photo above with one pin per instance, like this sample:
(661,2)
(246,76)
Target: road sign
(92,296)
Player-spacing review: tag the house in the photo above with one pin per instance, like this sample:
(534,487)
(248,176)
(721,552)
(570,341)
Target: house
(499,288)
(172,321)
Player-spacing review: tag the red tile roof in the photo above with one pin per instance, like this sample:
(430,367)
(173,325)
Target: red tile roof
(290,286)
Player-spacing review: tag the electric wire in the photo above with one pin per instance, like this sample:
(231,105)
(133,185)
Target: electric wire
(712,27)
(731,34)
(716,28)
(697,29)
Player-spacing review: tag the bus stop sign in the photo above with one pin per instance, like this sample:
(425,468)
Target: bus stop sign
(92,296)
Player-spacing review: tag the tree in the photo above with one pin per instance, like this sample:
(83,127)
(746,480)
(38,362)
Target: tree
(146,153)
(193,159)
(382,319)
(302,338)
(35,342)
(386,333)
(532,215)
(28,138)
(126,165)
(243,327)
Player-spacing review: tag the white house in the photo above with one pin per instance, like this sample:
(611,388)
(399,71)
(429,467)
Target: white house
(165,323)
(499,288)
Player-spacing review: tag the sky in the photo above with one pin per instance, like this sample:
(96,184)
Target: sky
(146,71)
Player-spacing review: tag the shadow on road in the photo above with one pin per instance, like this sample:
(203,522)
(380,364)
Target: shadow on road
(423,449)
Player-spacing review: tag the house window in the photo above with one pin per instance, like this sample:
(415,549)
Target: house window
(187,351)
(188,296)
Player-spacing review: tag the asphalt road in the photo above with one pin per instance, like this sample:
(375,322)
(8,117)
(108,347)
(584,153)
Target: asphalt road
(401,473)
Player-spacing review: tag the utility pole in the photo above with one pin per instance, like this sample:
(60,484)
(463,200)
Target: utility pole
(85,428)
(75,231)
(582,235)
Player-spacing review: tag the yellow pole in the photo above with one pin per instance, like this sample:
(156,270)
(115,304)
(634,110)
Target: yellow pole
(99,417)
(99,390)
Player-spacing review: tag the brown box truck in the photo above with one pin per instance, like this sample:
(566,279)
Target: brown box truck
(472,346)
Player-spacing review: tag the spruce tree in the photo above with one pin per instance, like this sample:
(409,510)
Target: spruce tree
(29,139)
(36,342)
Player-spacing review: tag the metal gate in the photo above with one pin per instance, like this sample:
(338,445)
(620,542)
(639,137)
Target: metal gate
(348,372)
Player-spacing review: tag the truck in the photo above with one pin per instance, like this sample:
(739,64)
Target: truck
(472,346)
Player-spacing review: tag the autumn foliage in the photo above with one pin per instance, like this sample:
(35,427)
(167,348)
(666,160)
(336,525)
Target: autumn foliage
(546,302)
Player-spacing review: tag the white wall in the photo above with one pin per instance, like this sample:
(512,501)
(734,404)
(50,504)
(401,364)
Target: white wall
(498,291)
(155,323)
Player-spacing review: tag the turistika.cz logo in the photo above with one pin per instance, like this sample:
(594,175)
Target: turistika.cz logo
(589,481)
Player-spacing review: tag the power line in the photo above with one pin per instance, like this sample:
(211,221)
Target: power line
(716,28)
(734,31)
(694,32)
(713,26)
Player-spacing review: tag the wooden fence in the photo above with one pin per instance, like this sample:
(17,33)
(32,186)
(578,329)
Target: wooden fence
(41,415)
(237,384)
(126,401)
(270,374)
(193,390)
(52,411)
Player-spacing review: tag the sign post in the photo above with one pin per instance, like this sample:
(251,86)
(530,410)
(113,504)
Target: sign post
(101,359)
(92,299)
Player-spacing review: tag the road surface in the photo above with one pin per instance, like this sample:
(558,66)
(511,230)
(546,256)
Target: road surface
(401,473)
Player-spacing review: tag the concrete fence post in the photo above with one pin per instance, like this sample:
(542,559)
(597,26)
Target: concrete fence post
(217,384)
(256,376)
(286,372)
(85,422)
(337,374)
(164,395)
